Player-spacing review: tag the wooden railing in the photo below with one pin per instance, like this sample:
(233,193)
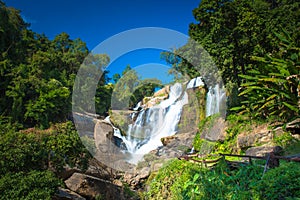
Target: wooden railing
(272,160)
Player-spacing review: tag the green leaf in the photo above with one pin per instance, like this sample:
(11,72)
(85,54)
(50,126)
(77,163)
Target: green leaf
(237,108)
(272,97)
(291,107)
(273,80)
(247,77)
(196,176)
(266,104)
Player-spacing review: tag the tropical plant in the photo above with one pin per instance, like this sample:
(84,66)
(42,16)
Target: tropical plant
(272,89)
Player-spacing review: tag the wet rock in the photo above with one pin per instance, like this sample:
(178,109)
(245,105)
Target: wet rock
(67,172)
(144,173)
(167,140)
(158,97)
(65,194)
(263,150)
(182,139)
(294,126)
(156,166)
(105,140)
(92,187)
(260,135)
(217,132)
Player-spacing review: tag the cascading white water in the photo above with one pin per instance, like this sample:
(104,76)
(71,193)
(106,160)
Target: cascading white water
(194,83)
(155,122)
(214,98)
(161,120)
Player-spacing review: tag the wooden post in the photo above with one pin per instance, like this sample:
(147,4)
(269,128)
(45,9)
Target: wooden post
(274,161)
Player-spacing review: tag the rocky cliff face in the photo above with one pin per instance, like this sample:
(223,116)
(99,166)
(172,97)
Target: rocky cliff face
(194,111)
(158,97)
(102,179)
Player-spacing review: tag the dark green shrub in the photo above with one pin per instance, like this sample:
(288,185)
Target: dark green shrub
(27,186)
(281,182)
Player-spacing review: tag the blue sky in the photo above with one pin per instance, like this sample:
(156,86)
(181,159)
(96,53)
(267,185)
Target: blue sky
(94,21)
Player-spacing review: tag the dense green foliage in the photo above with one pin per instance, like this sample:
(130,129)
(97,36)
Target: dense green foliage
(169,181)
(35,149)
(272,88)
(235,32)
(32,185)
(185,180)
(38,74)
(27,156)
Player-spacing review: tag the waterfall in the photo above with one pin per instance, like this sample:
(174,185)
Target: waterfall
(194,83)
(155,122)
(215,98)
(152,124)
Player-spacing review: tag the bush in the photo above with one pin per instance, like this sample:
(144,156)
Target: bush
(32,185)
(184,180)
(221,183)
(168,182)
(281,183)
(20,152)
(35,149)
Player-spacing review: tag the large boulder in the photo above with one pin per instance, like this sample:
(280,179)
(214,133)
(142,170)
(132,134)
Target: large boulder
(109,147)
(216,131)
(182,139)
(92,187)
(259,135)
(84,121)
(263,150)
(103,135)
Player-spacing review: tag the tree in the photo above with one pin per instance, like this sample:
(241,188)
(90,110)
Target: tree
(232,32)
(12,27)
(130,89)
(89,84)
(38,74)
(124,89)
(116,77)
